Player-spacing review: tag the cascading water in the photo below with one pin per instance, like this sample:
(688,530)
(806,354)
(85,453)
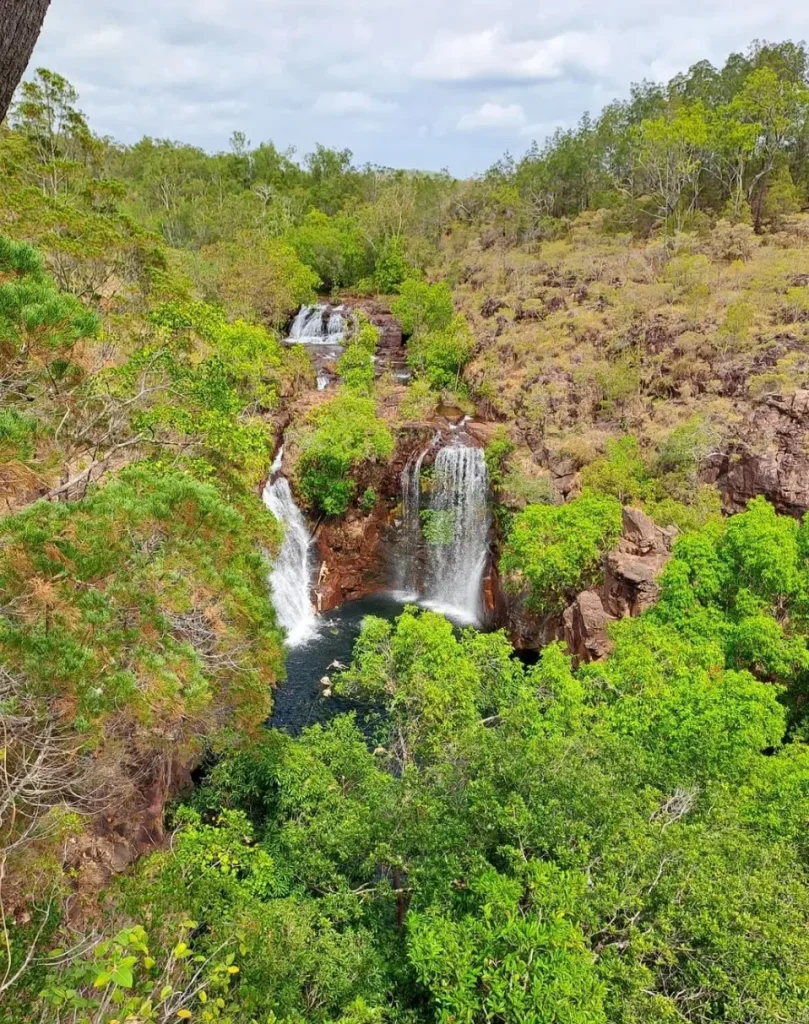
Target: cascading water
(322,331)
(460,526)
(291,577)
(319,325)
(407,561)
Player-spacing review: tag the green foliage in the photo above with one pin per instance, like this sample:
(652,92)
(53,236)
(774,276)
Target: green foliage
(340,437)
(438,526)
(210,380)
(368,500)
(356,365)
(391,266)
(620,472)
(420,401)
(254,278)
(333,247)
(556,550)
(505,930)
(497,454)
(423,307)
(18,435)
(120,976)
(442,354)
(529,844)
(124,631)
(40,325)
(744,587)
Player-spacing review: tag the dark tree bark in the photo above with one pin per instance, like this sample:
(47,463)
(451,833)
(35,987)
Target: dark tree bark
(20,25)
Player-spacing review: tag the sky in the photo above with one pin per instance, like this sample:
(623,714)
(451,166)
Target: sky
(405,83)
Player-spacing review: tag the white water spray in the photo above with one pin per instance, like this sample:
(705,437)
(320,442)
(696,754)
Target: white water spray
(291,577)
(457,561)
(319,325)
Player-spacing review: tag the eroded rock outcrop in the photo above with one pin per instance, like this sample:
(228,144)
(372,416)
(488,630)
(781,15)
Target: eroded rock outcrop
(770,457)
(630,586)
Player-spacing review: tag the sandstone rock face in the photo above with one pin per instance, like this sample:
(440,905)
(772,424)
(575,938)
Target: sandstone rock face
(119,836)
(630,586)
(585,627)
(350,559)
(391,353)
(564,478)
(770,457)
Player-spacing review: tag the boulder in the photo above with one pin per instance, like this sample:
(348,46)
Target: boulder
(630,586)
(585,626)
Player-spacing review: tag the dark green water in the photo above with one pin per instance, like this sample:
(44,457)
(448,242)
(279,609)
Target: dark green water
(299,701)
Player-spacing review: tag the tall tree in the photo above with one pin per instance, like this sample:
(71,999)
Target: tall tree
(20,25)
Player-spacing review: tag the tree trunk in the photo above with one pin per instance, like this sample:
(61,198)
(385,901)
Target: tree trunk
(20,25)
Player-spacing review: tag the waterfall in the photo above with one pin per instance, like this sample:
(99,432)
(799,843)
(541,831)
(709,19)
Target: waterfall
(458,554)
(291,577)
(407,561)
(319,325)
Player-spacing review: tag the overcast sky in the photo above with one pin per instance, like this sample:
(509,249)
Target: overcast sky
(411,83)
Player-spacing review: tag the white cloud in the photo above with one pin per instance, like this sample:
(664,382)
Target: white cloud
(197,70)
(348,102)
(494,115)
(489,54)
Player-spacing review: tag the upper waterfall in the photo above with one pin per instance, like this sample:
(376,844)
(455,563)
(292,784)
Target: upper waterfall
(291,577)
(320,325)
(407,571)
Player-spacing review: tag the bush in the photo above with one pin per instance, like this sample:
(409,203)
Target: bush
(620,472)
(254,278)
(149,625)
(17,436)
(356,365)
(338,439)
(391,266)
(557,549)
(334,247)
(497,454)
(423,307)
(441,355)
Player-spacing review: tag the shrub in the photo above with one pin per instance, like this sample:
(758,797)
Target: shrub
(334,247)
(442,354)
(420,400)
(356,365)
(497,454)
(149,625)
(391,267)
(339,437)
(620,472)
(18,434)
(423,307)
(557,549)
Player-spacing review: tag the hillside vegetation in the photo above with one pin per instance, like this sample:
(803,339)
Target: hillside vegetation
(623,841)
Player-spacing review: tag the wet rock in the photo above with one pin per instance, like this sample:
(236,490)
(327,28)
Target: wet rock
(352,563)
